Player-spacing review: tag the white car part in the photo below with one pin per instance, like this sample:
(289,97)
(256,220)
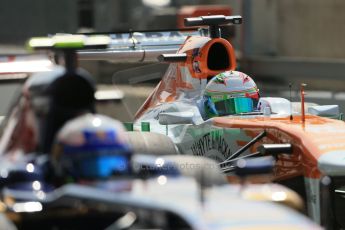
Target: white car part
(324,110)
(170,118)
(277,105)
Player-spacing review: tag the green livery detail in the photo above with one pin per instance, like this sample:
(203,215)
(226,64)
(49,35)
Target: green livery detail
(211,141)
(68,41)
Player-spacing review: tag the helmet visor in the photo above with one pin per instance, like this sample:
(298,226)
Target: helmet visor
(104,166)
(234,106)
(97,164)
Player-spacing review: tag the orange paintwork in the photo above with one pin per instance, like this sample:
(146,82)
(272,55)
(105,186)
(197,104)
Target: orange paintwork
(310,140)
(168,86)
(176,78)
(204,44)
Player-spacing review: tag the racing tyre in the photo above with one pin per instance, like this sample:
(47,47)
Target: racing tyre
(205,170)
(151,143)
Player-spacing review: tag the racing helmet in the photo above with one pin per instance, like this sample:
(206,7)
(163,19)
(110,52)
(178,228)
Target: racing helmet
(230,93)
(70,95)
(54,97)
(90,147)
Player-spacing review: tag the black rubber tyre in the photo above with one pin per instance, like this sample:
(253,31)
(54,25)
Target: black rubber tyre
(151,143)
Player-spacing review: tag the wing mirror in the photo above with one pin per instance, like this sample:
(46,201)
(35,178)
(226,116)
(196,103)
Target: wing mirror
(275,149)
(170,118)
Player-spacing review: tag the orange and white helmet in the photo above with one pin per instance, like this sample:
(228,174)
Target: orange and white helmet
(229,93)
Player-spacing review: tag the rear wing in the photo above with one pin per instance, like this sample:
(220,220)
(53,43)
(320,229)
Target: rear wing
(137,47)
(147,46)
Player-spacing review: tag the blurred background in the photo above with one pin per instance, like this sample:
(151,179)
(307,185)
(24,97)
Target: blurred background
(279,42)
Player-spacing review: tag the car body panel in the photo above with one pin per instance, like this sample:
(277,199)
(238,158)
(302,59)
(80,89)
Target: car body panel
(222,208)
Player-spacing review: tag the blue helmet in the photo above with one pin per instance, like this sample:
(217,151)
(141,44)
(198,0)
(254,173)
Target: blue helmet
(92,146)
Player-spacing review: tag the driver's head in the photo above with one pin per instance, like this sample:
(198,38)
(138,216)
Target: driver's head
(70,95)
(228,93)
(91,146)
(55,97)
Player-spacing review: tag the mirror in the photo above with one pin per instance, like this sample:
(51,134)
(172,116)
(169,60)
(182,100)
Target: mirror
(275,149)
(170,118)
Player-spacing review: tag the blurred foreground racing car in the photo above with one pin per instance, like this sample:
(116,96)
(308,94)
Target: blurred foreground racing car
(203,115)
(63,167)
(163,200)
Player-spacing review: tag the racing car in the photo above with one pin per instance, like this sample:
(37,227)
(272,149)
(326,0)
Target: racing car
(133,202)
(31,199)
(307,143)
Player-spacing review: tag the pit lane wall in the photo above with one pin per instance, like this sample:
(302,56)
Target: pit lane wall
(293,28)
(299,28)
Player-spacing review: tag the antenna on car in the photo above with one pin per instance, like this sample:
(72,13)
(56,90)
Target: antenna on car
(302,102)
(291,118)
